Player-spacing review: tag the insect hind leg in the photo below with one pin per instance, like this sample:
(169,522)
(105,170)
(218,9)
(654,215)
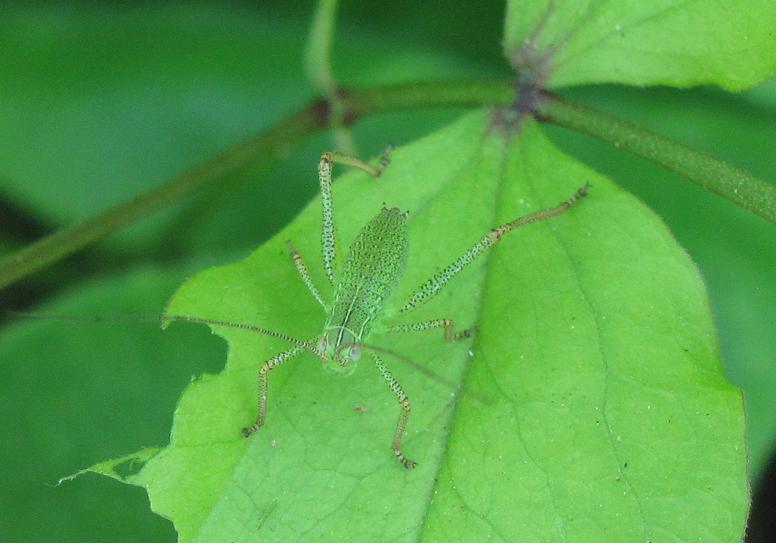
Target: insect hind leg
(436,283)
(447,324)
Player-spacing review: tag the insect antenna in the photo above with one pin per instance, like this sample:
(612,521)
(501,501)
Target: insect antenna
(431,374)
(125,317)
(166,319)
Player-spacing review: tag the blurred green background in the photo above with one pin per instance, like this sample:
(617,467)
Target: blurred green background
(100,101)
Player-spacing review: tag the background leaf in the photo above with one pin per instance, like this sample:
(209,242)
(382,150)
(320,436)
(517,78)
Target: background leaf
(409,40)
(669,42)
(109,103)
(79,391)
(606,386)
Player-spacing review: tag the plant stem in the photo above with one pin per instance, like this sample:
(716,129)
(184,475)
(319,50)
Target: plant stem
(267,143)
(426,94)
(738,186)
(317,54)
(68,240)
(318,68)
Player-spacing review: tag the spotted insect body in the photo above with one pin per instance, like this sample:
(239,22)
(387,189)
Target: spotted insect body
(374,264)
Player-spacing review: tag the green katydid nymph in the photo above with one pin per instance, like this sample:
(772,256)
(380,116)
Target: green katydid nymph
(374,264)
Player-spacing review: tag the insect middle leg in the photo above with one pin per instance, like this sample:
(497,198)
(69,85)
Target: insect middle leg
(401,425)
(447,324)
(325,168)
(270,364)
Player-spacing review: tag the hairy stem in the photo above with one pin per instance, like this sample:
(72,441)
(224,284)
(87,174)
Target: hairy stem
(738,186)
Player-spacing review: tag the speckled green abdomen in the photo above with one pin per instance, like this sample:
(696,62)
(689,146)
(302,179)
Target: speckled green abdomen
(374,265)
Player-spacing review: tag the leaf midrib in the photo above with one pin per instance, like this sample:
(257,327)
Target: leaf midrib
(453,412)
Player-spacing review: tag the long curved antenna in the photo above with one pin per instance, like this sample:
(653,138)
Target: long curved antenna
(92,319)
(242,326)
(431,374)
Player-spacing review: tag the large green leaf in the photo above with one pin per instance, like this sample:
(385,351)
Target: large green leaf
(607,415)
(734,250)
(667,42)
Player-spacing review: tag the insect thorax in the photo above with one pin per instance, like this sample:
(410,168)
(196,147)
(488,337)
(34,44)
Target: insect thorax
(374,264)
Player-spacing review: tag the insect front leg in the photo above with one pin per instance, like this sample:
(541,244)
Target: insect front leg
(438,281)
(270,364)
(325,168)
(398,434)
(447,324)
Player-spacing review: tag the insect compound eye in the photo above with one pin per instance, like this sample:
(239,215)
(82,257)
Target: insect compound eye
(322,344)
(355,353)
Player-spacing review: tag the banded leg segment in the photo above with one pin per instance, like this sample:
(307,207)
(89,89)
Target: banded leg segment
(438,281)
(397,390)
(447,324)
(302,269)
(325,168)
(374,171)
(270,364)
